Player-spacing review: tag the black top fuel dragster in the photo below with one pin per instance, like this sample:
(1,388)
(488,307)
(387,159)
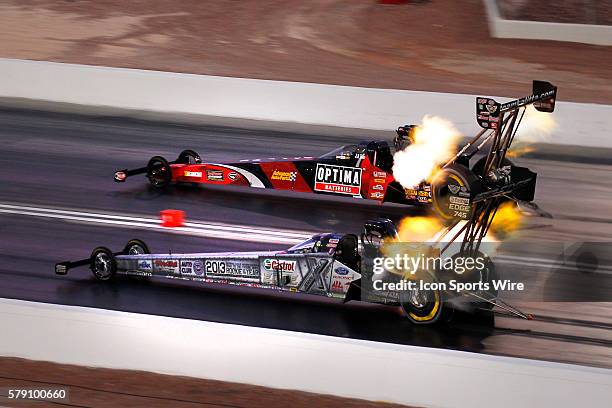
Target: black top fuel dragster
(330,264)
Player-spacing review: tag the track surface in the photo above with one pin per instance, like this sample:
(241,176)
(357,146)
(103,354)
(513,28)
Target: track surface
(67,161)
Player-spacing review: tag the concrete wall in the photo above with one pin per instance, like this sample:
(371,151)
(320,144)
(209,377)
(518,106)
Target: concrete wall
(540,30)
(415,376)
(277,101)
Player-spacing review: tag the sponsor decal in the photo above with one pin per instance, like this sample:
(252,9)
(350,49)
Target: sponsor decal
(197,174)
(456,188)
(459,204)
(379,180)
(214,175)
(459,200)
(192,266)
(284,175)
(376,194)
(231,269)
(166,265)
(459,207)
(338,286)
(378,187)
(380,174)
(410,192)
(338,179)
(145,265)
(332,243)
(233,176)
(492,108)
(282,265)
(215,267)
(341,270)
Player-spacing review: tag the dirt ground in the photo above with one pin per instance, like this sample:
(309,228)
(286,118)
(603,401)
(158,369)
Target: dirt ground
(96,387)
(439,45)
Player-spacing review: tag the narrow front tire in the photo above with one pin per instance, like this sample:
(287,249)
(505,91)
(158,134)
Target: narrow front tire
(103,264)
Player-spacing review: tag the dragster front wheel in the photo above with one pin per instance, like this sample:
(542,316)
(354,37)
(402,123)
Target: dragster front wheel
(103,264)
(136,247)
(159,172)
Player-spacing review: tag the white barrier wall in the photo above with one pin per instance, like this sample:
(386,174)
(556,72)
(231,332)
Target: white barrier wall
(409,375)
(278,101)
(539,30)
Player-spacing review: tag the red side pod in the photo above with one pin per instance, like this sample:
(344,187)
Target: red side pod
(284,176)
(373,181)
(378,184)
(207,174)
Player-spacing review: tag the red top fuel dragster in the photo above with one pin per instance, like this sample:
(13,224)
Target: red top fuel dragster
(363,170)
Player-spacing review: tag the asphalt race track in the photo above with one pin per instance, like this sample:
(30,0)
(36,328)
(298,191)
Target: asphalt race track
(66,161)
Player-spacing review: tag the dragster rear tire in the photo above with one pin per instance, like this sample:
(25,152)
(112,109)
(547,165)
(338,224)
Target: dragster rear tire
(159,172)
(136,247)
(452,190)
(103,264)
(422,306)
(186,155)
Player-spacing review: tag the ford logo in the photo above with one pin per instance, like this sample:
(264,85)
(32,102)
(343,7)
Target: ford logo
(342,271)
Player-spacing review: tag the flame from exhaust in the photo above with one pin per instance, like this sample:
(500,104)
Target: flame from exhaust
(507,220)
(418,229)
(416,232)
(428,229)
(536,127)
(434,143)
(519,151)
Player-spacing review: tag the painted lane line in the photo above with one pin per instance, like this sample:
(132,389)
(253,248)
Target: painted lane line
(227,227)
(155,221)
(202,230)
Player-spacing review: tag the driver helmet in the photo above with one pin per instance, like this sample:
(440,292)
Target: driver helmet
(405,137)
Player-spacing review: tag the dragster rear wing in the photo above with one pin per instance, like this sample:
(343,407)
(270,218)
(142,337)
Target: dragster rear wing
(488,110)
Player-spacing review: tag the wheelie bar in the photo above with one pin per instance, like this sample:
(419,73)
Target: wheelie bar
(62,268)
(121,175)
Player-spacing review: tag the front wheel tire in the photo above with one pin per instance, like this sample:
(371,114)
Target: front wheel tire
(159,172)
(136,247)
(103,264)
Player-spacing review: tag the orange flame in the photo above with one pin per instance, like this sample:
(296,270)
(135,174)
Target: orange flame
(418,229)
(435,142)
(507,220)
(519,151)
(536,127)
